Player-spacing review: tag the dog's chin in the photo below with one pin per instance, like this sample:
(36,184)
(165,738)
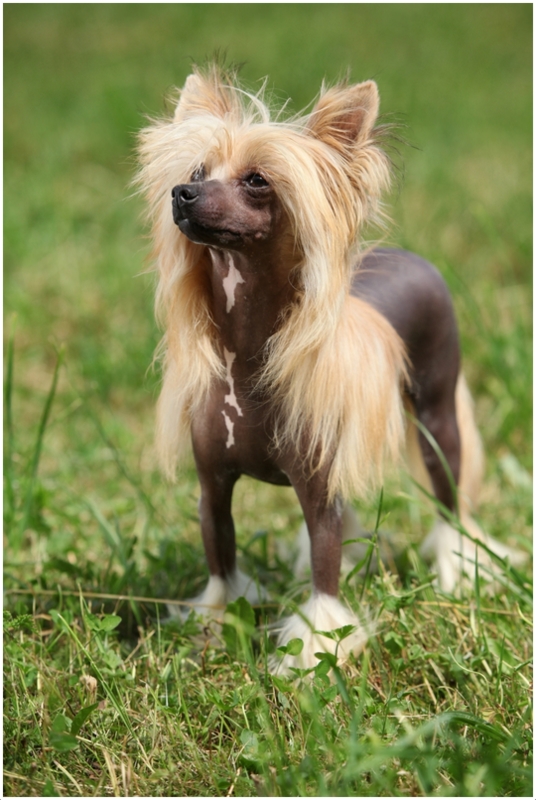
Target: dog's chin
(199,234)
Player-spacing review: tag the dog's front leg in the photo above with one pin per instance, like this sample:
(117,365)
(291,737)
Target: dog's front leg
(323,611)
(324,523)
(217,526)
(226,582)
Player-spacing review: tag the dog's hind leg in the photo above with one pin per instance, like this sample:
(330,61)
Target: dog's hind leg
(323,611)
(453,553)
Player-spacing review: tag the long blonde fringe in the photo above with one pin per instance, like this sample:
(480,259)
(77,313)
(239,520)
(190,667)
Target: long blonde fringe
(335,366)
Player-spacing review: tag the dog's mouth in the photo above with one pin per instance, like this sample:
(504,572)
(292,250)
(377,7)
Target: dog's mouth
(204,234)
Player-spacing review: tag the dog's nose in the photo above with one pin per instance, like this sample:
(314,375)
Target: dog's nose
(185,194)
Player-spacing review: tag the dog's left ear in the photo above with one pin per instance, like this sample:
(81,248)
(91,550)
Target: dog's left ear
(208,93)
(345,115)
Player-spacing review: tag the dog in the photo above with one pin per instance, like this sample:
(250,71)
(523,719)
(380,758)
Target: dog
(289,354)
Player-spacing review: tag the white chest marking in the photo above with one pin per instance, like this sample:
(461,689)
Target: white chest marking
(231,398)
(229,424)
(230,282)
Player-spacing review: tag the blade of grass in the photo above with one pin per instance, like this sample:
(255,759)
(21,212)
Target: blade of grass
(18,533)
(10,438)
(374,543)
(112,536)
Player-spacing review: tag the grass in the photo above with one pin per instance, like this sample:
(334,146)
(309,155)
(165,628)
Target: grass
(103,695)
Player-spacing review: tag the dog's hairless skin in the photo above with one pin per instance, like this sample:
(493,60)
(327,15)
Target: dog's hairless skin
(247,233)
(412,295)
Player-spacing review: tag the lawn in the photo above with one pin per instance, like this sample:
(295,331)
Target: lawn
(103,695)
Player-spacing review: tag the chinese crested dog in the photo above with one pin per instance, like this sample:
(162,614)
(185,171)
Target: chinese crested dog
(289,355)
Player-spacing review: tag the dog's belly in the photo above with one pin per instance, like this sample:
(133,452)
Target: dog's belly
(268,474)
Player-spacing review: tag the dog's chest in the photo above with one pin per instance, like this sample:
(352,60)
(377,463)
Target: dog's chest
(234,431)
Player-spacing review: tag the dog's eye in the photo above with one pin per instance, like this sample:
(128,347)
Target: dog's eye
(198,174)
(255,181)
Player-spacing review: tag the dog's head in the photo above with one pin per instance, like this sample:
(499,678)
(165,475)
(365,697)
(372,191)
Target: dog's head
(226,172)
(237,177)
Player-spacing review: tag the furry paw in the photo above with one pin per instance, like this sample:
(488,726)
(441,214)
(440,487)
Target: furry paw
(217,593)
(321,612)
(455,555)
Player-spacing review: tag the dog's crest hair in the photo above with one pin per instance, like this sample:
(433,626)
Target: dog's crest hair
(334,367)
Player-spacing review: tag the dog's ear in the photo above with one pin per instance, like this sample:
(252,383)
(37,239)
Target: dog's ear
(345,115)
(205,94)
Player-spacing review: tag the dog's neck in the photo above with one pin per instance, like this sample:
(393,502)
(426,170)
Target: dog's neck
(249,293)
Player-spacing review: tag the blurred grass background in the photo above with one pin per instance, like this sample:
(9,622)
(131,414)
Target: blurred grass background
(84,504)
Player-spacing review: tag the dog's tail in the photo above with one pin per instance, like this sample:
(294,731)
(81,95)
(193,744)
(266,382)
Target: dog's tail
(472,451)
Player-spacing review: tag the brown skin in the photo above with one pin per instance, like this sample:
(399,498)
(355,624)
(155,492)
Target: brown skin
(412,295)
(244,218)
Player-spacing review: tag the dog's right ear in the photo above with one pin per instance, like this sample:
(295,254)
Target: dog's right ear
(206,94)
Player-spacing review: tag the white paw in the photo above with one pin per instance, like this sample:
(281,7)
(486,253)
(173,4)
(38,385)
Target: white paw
(217,594)
(455,555)
(321,612)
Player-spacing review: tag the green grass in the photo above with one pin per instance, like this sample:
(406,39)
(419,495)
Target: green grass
(103,695)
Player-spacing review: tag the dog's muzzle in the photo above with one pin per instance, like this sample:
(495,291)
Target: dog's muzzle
(198,215)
